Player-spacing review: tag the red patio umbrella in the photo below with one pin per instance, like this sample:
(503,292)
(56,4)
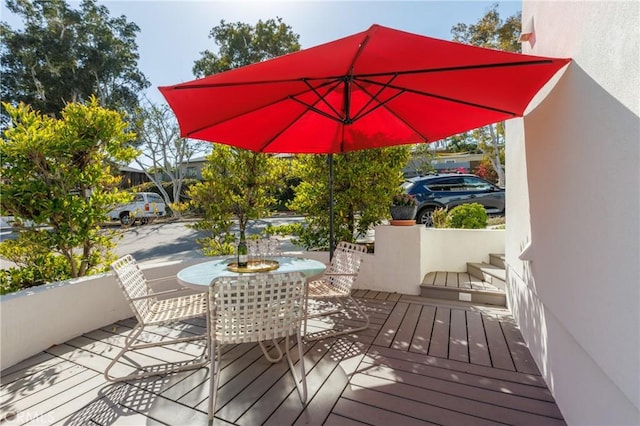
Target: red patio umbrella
(377,88)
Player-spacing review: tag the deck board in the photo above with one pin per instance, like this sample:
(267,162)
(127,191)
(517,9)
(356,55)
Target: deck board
(500,354)
(422,337)
(458,341)
(403,337)
(440,337)
(420,362)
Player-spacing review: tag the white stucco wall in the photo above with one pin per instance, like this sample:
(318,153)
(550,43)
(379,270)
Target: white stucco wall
(573,185)
(34,319)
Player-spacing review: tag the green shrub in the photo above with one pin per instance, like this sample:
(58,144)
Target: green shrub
(50,268)
(467,216)
(439,217)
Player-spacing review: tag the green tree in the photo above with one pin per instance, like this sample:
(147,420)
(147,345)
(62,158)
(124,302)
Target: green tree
(420,160)
(364,184)
(492,32)
(164,154)
(55,172)
(242,44)
(66,55)
(463,142)
(236,184)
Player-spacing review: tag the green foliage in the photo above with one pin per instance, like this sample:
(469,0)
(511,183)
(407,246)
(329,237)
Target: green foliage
(37,265)
(56,173)
(66,55)
(463,142)
(364,183)
(420,160)
(242,44)
(439,218)
(491,32)
(236,184)
(467,216)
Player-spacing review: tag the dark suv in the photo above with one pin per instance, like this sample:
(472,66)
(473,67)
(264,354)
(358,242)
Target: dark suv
(450,190)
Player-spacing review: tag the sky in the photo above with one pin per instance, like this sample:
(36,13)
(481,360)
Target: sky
(173,33)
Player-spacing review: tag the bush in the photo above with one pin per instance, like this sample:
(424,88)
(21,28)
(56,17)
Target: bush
(439,218)
(467,216)
(51,268)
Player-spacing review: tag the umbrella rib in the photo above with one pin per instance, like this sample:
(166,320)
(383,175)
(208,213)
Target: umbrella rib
(317,111)
(281,131)
(445,98)
(372,98)
(187,86)
(322,99)
(459,68)
(199,129)
(309,108)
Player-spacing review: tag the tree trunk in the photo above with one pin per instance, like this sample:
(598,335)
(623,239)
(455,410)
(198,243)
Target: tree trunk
(495,156)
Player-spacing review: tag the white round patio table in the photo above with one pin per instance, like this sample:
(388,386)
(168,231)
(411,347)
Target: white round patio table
(199,276)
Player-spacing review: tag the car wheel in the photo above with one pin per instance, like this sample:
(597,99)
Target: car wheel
(125,219)
(425,216)
(144,221)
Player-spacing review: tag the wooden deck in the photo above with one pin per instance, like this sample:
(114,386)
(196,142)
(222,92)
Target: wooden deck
(421,362)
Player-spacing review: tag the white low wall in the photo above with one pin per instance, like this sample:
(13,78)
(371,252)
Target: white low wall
(34,319)
(405,254)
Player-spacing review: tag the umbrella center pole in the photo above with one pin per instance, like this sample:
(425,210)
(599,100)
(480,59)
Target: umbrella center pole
(348,80)
(332,242)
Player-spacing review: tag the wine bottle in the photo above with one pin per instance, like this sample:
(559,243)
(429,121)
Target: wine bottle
(242,251)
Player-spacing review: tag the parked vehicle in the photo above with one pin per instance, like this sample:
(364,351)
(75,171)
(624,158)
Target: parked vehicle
(145,207)
(450,190)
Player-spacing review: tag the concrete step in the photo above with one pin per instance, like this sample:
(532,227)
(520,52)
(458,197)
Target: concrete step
(461,286)
(497,259)
(492,274)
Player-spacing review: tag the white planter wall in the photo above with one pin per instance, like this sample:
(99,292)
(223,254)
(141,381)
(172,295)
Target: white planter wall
(34,319)
(405,254)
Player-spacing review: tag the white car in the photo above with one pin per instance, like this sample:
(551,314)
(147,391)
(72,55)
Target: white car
(145,207)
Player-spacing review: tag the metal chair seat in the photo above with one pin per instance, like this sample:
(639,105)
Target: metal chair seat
(150,309)
(335,285)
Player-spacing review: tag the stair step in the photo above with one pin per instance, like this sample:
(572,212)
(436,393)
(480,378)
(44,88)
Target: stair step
(464,295)
(497,259)
(461,286)
(491,274)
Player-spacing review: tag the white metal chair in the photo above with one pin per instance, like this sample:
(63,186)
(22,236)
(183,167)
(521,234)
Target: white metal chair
(257,308)
(335,285)
(152,310)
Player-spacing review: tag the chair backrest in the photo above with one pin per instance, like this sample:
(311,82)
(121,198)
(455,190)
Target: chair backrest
(256,307)
(347,258)
(133,285)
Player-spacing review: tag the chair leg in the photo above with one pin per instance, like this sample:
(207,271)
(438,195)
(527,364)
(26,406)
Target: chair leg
(333,333)
(215,357)
(128,346)
(301,379)
(133,335)
(265,351)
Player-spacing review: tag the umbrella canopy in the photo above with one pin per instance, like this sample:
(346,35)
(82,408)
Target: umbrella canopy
(378,88)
